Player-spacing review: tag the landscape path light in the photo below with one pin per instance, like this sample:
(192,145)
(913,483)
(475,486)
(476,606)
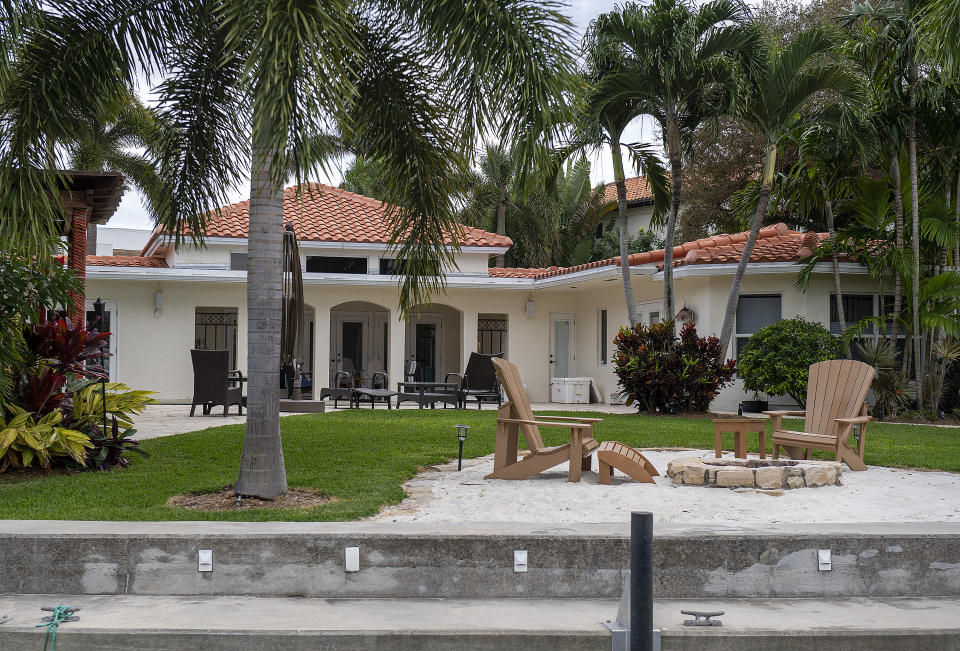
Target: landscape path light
(461,437)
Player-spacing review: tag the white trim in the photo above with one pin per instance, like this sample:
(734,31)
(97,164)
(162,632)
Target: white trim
(465,280)
(345,246)
(761,268)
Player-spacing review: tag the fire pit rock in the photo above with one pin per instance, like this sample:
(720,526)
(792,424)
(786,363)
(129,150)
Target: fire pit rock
(767,474)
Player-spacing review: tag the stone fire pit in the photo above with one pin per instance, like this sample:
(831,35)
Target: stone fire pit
(768,474)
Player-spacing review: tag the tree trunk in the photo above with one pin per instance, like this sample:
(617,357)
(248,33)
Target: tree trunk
(618,177)
(898,235)
(676,168)
(831,227)
(502,223)
(262,472)
(734,297)
(915,234)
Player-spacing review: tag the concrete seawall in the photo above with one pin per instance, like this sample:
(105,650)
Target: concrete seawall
(404,560)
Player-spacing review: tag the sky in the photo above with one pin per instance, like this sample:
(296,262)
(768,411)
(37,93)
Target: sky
(132,214)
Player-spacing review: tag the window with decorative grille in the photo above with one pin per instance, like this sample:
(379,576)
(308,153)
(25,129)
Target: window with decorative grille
(492,334)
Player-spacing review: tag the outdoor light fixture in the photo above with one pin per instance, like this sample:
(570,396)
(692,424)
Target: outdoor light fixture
(98,314)
(461,437)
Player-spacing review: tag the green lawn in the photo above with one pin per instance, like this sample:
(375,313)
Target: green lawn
(363,458)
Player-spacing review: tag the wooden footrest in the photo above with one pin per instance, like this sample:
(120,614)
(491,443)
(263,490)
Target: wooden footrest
(631,462)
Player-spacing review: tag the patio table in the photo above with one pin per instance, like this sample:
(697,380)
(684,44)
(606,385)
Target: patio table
(739,427)
(428,393)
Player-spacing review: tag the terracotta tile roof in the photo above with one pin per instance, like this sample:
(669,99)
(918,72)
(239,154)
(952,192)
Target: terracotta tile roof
(638,190)
(326,214)
(125,261)
(774,243)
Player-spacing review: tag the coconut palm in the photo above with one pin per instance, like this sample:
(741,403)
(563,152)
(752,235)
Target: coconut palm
(676,66)
(491,190)
(781,90)
(246,83)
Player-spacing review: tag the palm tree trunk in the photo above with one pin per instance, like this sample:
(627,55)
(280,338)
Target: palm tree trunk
(618,177)
(734,297)
(828,209)
(262,471)
(915,234)
(898,235)
(502,223)
(676,168)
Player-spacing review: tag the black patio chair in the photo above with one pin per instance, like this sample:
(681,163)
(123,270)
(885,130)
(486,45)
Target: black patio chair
(479,381)
(212,380)
(379,391)
(342,388)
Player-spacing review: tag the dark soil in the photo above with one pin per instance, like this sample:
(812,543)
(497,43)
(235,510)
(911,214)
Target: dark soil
(226,500)
(23,474)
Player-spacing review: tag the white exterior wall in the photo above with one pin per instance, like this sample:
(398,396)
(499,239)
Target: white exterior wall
(153,351)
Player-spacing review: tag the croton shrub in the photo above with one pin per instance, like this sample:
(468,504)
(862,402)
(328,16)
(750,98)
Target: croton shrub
(659,372)
(54,414)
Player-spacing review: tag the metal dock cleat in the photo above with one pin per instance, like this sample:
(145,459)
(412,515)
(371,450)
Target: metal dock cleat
(702,617)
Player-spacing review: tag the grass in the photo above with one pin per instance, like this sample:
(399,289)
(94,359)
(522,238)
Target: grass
(363,457)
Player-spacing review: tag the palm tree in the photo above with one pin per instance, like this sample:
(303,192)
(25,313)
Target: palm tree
(897,27)
(606,120)
(676,66)
(780,88)
(493,186)
(407,83)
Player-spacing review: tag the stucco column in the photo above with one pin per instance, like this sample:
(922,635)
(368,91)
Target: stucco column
(468,336)
(77,260)
(321,348)
(397,347)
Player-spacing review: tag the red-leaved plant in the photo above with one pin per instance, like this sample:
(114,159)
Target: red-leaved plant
(659,372)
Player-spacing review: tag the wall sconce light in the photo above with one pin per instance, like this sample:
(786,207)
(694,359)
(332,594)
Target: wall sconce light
(528,307)
(461,437)
(157,303)
(686,315)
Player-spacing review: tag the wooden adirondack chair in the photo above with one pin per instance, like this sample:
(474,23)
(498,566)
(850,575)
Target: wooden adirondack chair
(516,415)
(836,395)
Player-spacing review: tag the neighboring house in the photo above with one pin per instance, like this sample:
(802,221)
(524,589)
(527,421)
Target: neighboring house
(105,240)
(556,322)
(639,204)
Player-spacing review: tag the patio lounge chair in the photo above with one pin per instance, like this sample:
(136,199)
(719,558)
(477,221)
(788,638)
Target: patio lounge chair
(342,388)
(378,392)
(836,402)
(212,378)
(479,381)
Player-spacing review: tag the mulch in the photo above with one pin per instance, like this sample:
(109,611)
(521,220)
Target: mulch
(226,500)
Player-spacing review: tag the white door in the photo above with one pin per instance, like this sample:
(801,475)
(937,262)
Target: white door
(350,343)
(425,346)
(109,324)
(561,345)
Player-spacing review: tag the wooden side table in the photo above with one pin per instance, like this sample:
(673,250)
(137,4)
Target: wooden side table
(739,427)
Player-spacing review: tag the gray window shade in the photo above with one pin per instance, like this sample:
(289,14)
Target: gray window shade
(238,261)
(855,308)
(757,312)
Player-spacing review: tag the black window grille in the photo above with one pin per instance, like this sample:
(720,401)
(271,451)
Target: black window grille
(217,330)
(492,335)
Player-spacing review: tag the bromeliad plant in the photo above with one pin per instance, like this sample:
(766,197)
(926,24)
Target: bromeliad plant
(119,403)
(662,373)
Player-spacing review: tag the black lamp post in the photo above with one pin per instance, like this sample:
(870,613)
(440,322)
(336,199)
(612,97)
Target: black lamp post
(98,314)
(461,437)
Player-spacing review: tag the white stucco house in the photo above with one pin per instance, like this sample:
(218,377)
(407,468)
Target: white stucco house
(556,322)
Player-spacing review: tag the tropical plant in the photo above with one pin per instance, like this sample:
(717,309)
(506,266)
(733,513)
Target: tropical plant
(658,372)
(890,385)
(676,66)
(247,85)
(780,93)
(24,439)
(776,360)
(608,246)
(944,353)
(364,177)
(114,399)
